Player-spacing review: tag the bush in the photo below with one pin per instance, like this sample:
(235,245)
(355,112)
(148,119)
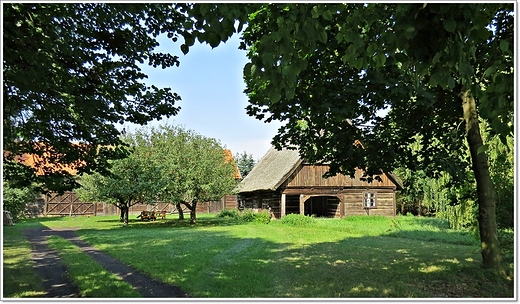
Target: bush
(263,217)
(233,213)
(298,220)
(15,199)
(260,217)
(247,216)
(506,238)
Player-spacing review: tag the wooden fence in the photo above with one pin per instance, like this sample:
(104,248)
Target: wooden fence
(70,204)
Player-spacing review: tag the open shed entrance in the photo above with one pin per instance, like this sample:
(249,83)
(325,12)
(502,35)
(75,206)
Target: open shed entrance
(322,206)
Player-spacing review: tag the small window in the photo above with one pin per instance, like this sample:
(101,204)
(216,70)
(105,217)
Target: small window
(369,200)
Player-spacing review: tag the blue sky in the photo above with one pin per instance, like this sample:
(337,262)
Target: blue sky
(213,103)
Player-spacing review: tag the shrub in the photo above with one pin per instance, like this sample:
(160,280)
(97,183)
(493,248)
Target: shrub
(233,213)
(247,216)
(263,217)
(506,238)
(260,217)
(14,199)
(298,220)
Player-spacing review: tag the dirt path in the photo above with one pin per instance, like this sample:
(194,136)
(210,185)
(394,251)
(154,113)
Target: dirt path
(54,273)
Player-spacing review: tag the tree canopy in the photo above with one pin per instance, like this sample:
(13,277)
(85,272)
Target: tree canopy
(245,163)
(70,73)
(166,164)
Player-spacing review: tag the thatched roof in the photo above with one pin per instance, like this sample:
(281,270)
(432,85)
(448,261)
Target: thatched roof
(271,170)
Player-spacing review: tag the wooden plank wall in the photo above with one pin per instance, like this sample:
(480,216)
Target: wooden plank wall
(384,199)
(311,176)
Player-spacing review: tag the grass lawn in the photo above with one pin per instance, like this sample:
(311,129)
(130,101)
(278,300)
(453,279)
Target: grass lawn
(355,257)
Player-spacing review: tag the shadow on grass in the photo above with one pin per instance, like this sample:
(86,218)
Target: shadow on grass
(218,264)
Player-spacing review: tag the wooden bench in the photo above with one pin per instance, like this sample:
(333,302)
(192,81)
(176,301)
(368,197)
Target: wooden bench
(152,215)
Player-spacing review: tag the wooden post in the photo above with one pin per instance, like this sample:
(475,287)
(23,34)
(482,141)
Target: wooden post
(282,211)
(302,204)
(342,205)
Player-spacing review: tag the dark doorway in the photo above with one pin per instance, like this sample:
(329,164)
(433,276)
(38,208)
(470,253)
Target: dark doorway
(322,206)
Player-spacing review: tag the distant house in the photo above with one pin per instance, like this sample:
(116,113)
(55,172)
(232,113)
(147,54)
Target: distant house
(287,184)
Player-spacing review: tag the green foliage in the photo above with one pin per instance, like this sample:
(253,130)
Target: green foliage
(166,164)
(15,199)
(298,220)
(262,217)
(506,238)
(228,213)
(89,55)
(501,167)
(245,163)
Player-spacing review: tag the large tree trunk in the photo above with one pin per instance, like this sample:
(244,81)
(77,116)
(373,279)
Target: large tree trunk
(486,194)
(181,213)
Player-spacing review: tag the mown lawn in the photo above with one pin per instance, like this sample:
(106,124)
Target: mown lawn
(355,257)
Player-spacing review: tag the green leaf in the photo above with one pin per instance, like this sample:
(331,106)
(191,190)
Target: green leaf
(451,82)
(504,46)
(247,68)
(466,70)
(274,95)
(449,25)
(483,148)
(185,49)
(339,37)
(380,59)
(276,36)
(358,63)
(314,12)
(323,36)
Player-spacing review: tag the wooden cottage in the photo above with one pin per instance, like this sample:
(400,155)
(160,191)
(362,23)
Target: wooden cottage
(287,184)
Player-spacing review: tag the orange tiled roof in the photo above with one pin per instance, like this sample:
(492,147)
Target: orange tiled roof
(229,157)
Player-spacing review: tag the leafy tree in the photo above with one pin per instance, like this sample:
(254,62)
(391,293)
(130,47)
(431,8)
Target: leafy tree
(245,163)
(502,170)
(194,168)
(166,164)
(328,69)
(70,73)
(131,180)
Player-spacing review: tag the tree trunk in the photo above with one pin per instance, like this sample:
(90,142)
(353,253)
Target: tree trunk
(486,195)
(124,213)
(181,213)
(193,213)
(121,216)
